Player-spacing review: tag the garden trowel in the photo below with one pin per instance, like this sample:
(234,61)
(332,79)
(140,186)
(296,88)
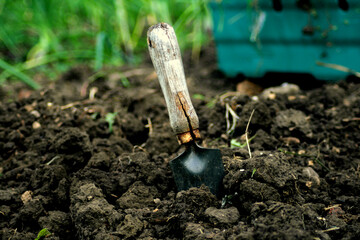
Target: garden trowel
(197,165)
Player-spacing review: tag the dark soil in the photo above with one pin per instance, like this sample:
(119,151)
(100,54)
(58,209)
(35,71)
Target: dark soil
(64,170)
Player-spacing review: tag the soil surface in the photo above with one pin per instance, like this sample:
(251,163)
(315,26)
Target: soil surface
(87,157)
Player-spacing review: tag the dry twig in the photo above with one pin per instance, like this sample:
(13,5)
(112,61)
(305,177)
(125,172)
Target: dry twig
(246,132)
(339,68)
(330,229)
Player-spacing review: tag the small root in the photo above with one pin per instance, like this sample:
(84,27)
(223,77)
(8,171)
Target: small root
(149,125)
(92,93)
(230,127)
(227,95)
(140,148)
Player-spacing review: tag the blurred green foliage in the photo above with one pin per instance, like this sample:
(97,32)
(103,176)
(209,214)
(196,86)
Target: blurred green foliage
(52,34)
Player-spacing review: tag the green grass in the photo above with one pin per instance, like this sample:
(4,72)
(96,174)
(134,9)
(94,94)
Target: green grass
(43,234)
(236,144)
(253,172)
(45,34)
(110,119)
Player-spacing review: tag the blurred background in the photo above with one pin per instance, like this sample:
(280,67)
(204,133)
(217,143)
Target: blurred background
(254,38)
(50,36)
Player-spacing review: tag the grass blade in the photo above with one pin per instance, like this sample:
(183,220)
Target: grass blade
(123,26)
(99,50)
(50,58)
(23,77)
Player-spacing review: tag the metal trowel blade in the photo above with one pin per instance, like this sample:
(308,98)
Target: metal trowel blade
(197,166)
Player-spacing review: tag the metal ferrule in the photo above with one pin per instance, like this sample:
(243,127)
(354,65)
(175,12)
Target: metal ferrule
(187,137)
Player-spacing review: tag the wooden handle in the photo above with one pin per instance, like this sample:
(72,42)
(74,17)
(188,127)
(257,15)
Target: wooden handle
(166,57)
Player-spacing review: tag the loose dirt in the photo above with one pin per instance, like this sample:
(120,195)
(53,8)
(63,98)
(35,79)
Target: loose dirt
(64,168)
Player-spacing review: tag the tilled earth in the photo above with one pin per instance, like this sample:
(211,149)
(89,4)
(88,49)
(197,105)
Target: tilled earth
(67,167)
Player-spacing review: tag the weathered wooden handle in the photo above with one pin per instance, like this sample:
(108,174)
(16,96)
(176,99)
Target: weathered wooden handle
(166,57)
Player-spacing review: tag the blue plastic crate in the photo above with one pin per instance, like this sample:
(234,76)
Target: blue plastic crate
(253,39)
